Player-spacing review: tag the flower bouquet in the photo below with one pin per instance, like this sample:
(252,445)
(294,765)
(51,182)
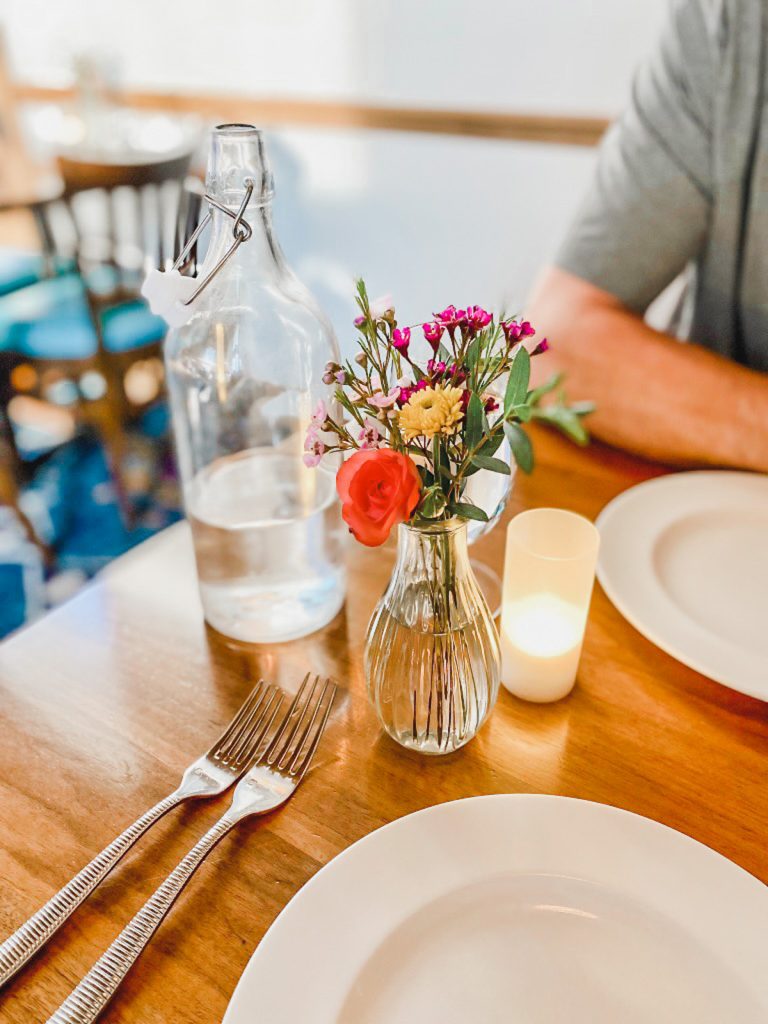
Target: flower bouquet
(417,431)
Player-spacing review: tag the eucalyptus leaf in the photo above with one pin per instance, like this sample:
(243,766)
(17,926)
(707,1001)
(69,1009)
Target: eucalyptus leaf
(464,510)
(517,383)
(491,464)
(521,446)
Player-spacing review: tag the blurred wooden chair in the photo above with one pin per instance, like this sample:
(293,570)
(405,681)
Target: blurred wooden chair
(84,338)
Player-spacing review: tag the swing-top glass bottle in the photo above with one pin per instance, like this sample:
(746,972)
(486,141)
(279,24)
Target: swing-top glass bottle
(244,379)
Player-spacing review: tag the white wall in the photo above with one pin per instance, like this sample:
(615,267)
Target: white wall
(570,56)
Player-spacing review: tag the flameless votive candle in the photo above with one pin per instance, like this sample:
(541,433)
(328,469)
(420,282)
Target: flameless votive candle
(549,570)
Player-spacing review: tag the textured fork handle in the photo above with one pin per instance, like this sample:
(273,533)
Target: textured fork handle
(34,933)
(93,993)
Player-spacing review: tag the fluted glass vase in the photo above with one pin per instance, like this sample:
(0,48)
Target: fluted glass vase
(432,652)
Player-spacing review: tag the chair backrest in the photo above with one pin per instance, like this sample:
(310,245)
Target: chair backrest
(125,215)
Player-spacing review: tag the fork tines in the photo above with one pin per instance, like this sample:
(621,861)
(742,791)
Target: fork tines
(293,746)
(241,739)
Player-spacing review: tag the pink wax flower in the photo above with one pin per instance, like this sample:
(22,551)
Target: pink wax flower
(433,332)
(359,321)
(457,373)
(314,448)
(369,435)
(401,339)
(451,317)
(477,317)
(381,401)
(543,346)
(512,330)
(320,415)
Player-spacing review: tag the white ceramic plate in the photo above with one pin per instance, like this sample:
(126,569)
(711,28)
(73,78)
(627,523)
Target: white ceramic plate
(685,559)
(525,909)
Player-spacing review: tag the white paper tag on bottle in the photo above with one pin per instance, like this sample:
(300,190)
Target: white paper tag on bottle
(166,292)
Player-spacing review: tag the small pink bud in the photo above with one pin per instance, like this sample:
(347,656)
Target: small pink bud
(401,339)
(433,332)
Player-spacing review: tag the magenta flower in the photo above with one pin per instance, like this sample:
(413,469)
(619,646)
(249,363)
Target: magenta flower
(491,405)
(543,346)
(457,373)
(477,317)
(401,339)
(465,396)
(452,317)
(513,331)
(526,330)
(359,321)
(433,332)
(436,369)
(369,435)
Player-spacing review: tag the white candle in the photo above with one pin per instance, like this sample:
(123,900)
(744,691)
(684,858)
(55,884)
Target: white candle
(549,571)
(540,646)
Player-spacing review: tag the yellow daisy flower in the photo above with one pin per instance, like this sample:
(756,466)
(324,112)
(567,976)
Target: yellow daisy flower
(435,410)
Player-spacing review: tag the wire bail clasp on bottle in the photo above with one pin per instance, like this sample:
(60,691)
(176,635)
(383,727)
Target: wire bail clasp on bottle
(241,232)
(171,295)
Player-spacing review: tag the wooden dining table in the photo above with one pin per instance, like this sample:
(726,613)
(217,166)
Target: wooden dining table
(104,701)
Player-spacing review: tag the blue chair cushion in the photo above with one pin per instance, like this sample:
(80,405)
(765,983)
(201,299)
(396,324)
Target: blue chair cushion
(50,320)
(19,268)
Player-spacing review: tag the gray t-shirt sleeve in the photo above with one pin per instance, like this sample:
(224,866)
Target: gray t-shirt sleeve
(646,213)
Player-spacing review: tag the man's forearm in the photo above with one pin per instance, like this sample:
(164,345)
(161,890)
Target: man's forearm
(678,403)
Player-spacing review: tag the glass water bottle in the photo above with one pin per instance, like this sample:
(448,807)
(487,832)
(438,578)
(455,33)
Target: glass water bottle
(244,379)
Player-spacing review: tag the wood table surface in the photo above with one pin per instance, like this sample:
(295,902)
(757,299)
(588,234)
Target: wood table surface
(105,701)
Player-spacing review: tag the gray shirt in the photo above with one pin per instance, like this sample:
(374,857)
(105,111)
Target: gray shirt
(682,181)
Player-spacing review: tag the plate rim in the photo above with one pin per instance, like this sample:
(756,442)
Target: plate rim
(736,873)
(731,681)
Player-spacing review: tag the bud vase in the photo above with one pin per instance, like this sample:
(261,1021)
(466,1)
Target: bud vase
(432,659)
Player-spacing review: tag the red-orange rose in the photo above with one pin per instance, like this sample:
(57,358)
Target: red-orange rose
(378,488)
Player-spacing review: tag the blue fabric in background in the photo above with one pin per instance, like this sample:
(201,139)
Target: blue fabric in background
(72,504)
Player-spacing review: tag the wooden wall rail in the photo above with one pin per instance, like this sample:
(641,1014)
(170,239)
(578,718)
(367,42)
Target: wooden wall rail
(562,130)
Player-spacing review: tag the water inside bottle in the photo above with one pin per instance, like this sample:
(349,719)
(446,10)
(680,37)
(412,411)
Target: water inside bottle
(269,545)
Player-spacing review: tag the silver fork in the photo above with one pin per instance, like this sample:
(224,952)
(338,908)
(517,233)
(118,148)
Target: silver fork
(210,775)
(279,768)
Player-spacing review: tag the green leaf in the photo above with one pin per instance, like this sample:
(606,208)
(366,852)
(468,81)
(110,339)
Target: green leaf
(521,412)
(443,355)
(464,510)
(492,444)
(517,384)
(582,408)
(535,396)
(494,465)
(473,354)
(473,429)
(433,502)
(521,446)
(566,421)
